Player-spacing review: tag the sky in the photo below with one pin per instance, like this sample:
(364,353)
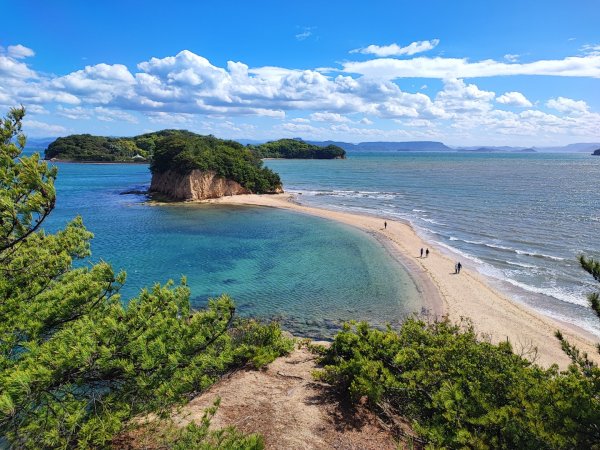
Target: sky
(518,73)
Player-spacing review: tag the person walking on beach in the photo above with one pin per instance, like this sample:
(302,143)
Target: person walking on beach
(421,252)
(458,266)
(426,253)
(385,225)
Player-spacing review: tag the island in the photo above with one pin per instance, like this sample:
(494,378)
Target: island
(297,149)
(596,152)
(193,167)
(89,148)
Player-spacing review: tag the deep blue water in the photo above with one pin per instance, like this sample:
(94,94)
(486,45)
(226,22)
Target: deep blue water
(308,272)
(520,219)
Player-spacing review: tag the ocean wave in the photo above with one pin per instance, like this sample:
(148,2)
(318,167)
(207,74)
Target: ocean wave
(452,238)
(425,219)
(509,249)
(378,195)
(461,253)
(519,264)
(419,210)
(539,255)
(554,292)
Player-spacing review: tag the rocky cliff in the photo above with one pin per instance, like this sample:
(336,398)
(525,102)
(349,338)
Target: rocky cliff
(196,185)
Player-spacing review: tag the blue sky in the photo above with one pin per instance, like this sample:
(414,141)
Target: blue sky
(470,73)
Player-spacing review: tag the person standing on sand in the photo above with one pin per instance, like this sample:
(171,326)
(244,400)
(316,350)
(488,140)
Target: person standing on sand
(456,268)
(459,266)
(385,225)
(426,253)
(421,252)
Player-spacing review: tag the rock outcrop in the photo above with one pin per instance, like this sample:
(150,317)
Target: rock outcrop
(596,152)
(196,185)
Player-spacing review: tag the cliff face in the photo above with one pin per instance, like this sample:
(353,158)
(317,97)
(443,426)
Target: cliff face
(197,185)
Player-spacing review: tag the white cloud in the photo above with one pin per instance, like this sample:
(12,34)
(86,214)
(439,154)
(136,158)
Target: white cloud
(329,117)
(77,113)
(19,51)
(36,128)
(514,99)
(170,118)
(305,34)
(567,105)
(112,115)
(176,89)
(396,50)
(457,98)
(511,57)
(591,49)
(443,68)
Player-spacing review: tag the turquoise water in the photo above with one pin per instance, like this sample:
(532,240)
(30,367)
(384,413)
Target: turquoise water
(308,272)
(520,219)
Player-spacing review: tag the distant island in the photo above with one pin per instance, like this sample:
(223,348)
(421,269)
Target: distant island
(90,148)
(596,152)
(186,166)
(297,149)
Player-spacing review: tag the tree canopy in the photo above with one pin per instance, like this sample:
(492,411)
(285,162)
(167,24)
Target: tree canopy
(228,159)
(297,149)
(77,362)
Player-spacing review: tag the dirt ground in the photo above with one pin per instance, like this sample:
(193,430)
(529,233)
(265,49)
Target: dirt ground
(288,408)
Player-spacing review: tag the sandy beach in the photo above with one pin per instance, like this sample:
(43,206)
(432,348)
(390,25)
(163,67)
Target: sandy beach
(468,294)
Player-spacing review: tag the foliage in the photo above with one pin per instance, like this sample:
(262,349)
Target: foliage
(86,147)
(167,434)
(297,149)
(75,363)
(460,392)
(228,159)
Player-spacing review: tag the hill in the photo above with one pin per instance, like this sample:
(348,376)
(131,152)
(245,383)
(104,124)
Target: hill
(187,166)
(297,149)
(88,148)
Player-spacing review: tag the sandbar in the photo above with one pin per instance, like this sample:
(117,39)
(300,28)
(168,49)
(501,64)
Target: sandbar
(467,295)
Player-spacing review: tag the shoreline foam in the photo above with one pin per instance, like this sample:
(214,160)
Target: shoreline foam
(492,313)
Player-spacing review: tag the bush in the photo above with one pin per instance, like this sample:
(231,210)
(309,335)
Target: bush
(457,391)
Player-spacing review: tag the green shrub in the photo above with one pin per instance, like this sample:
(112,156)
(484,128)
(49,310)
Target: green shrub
(459,392)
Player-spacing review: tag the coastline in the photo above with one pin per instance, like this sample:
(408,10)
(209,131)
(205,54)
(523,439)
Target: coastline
(467,295)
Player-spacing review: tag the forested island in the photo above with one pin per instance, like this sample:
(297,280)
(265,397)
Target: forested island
(297,149)
(90,148)
(194,167)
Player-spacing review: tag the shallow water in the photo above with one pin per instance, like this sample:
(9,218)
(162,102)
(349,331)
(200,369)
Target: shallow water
(308,272)
(521,219)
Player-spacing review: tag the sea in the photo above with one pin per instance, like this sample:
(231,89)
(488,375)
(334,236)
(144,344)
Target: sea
(520,220)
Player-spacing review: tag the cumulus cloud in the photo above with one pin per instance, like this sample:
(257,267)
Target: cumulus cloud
(514,99)
(396,50)
(567,105)
(176,89)
(19,51)
(328,117)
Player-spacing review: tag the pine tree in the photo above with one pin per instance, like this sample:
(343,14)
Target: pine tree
(75,363)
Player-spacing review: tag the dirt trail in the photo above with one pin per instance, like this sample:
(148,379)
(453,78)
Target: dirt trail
(289,409)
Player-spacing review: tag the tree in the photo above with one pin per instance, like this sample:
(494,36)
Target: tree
(75,363)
